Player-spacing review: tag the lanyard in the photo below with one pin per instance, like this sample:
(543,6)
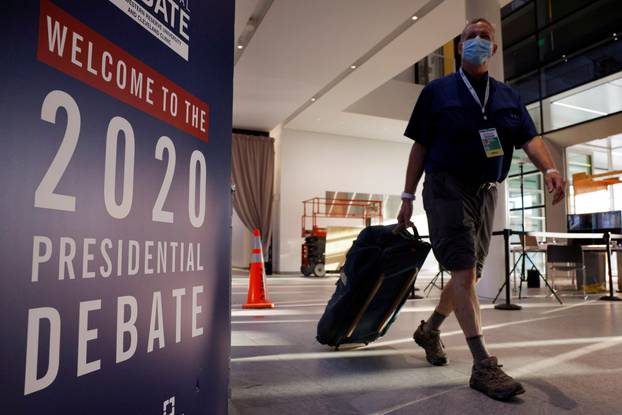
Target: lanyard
(474,94)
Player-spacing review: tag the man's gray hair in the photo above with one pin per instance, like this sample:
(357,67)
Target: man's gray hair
(474,21)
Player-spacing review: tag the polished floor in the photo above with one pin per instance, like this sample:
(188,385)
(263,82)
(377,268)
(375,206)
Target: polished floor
(569,358)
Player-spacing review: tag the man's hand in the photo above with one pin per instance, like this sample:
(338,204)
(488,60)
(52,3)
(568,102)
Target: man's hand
(555,184)
(541,157)
(406,211)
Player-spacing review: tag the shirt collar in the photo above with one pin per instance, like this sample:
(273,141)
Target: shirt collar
(481,82)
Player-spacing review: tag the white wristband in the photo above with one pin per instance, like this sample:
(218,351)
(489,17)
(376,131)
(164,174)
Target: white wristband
(407,196)
(549,171)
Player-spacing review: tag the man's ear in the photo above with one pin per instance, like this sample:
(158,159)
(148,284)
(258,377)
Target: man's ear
(494,49)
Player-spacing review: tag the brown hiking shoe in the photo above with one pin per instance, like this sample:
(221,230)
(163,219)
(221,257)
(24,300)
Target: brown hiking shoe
(488,378)
(431,342)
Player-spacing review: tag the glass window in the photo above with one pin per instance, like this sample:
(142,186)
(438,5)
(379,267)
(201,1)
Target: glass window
(593,24)
(590,101)
(519,25)
(534,220)
(533,195)
(527,86)
(521,58)
(519,156)
(534,112)
(597,63)
(553,10)
(576,163)
(512,6)
(617,196)
(598,201)
(430,68)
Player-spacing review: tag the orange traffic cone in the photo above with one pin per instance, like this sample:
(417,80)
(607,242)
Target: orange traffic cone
(257,277)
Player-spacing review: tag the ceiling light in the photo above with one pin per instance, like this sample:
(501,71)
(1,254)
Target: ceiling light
(576,107)
(414,17)
(352,66)
(313,99)
(240,46)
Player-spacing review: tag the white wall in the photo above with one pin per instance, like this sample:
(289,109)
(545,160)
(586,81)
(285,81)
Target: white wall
(240,243)
(312,163)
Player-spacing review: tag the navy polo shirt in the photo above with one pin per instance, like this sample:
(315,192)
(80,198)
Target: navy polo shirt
(446,120)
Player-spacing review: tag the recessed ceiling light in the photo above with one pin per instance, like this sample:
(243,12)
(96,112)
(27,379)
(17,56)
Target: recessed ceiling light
(352,66)
(576,107)
(240,46)
(313,99)
(414,17)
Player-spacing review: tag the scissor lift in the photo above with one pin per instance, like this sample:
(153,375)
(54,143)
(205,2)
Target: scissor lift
(324,210)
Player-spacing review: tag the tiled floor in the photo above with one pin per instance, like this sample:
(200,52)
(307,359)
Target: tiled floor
(568,357)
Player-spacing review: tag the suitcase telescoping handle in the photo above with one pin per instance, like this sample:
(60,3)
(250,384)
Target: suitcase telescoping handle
(391,311)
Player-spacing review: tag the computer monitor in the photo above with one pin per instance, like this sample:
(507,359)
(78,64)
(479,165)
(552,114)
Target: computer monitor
(580,222)
(608,221)
(594,223)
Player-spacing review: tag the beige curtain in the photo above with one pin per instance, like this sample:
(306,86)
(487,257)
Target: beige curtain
(253,177)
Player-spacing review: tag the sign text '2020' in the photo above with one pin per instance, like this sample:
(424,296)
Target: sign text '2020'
(46,197)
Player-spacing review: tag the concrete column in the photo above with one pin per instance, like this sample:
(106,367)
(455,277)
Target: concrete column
(489,10)
(494,268)
(556,214)
(276,133)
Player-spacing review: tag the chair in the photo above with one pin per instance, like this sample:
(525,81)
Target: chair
(566,259)
(531,242)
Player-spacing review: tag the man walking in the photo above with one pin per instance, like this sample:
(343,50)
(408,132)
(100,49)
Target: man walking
(464,128)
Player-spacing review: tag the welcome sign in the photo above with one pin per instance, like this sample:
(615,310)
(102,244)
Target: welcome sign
(115,127)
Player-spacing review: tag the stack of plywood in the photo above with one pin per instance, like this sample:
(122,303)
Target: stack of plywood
(338,241)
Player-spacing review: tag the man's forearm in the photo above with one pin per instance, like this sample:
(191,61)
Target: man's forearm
(415,167)
(538,154)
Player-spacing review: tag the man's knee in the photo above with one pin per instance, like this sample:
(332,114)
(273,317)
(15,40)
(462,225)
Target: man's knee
(465,278)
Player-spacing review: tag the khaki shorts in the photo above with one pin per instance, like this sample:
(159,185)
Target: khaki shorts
(460,218)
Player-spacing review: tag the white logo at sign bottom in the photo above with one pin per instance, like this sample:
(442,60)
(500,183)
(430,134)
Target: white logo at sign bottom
(165,407)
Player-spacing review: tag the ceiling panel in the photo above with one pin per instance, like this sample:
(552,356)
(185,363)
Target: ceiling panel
(243,11)
(425,36)
(300,47)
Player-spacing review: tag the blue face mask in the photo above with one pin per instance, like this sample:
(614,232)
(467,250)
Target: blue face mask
(477,50)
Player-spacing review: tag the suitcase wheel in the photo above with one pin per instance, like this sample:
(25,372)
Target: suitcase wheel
(319,270)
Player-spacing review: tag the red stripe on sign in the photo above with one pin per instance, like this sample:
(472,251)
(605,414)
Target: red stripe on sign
(75,49)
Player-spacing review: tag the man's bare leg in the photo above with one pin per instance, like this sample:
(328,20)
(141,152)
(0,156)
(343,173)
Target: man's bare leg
(465,302)
(446,305)
(443,309)
(458,295)
(427,334)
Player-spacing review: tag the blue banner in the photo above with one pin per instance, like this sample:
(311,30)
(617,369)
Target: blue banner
(115,122)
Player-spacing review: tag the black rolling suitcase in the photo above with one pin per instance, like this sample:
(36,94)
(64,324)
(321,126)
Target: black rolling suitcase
(380,269)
